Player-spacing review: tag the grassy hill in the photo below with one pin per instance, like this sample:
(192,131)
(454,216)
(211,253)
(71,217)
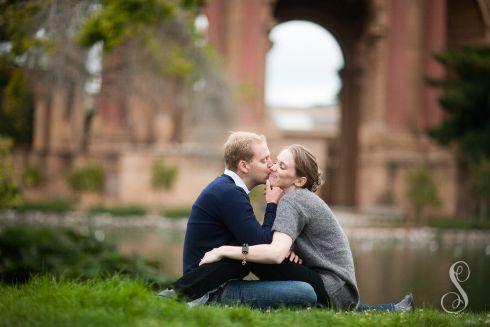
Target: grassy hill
(117,301)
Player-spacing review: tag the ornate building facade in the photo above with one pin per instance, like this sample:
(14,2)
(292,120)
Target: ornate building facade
(386,104)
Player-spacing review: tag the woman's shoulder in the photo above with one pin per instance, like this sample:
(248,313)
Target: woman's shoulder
(303,196)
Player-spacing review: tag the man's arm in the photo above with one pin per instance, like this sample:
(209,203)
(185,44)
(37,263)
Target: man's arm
(239,217)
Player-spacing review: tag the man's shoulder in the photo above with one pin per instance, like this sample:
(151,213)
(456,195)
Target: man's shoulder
(220,193)
(222,186)
(220,182)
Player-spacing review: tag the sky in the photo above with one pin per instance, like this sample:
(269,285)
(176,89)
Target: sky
(302,66)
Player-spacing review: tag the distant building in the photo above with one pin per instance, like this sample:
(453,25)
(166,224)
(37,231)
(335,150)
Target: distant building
(366,151)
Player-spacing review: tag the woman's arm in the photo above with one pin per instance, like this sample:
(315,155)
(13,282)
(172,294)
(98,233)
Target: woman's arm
(274,252)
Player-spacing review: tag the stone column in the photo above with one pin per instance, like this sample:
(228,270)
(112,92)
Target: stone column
(398,85)
(41,122)
(239,31)
(373,52)
(348,145)
(57,124)
(435,41)
(77,119)
(109,130)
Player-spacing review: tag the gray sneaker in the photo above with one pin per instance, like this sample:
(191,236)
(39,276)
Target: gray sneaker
(405,305)
(168,293)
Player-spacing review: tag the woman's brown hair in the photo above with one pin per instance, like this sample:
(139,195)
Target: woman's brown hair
(306,166)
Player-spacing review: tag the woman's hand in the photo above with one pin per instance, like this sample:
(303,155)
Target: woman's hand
(211,256)
(293,257)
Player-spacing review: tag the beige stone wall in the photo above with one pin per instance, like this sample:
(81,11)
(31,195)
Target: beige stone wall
(194,173)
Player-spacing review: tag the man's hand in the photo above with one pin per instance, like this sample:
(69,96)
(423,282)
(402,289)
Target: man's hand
(293,257)
(211,256)
(272,194)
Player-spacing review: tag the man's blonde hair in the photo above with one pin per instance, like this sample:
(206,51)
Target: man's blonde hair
(239,147)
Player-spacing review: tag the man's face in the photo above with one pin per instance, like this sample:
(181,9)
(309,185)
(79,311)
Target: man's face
(260,163)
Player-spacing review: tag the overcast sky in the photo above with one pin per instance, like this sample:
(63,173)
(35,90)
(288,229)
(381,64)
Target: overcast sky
(302,66)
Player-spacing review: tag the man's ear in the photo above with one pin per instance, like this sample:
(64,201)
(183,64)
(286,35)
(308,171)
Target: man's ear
(243,166)
(300,181)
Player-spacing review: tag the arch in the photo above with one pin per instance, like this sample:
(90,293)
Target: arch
(345,20)
(387,47)
(302,66)
(331,15)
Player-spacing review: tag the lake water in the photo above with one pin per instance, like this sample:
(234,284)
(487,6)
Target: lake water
(389,262)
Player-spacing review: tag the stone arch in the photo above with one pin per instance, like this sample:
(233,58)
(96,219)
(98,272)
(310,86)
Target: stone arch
(388,48)
(330,15)
(345,21)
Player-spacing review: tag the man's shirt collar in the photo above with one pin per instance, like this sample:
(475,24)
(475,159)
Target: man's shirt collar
(238,181)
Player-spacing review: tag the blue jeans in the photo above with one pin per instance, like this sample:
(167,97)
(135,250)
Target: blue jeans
(266,294)
(275,294)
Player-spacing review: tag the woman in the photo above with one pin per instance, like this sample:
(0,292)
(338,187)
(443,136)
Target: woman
(305,223)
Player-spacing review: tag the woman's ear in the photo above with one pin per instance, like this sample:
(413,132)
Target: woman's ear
(300,181)
(243,166)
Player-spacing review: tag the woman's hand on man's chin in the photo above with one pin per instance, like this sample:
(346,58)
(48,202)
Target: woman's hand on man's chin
(211,256)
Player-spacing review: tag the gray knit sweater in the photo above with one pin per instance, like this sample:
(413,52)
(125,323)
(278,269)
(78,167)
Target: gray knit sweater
(318,240)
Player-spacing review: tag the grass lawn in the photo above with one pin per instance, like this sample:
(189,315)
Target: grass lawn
(122,302)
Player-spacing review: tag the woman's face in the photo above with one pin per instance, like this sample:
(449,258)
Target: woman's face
(283,171)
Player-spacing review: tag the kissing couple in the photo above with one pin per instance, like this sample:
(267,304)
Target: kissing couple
(300,252)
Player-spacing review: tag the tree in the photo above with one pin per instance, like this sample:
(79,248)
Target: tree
(16,104)
(480,187)
(160,42)
(9,193)
(466,102)
(466,124)
(422,192)
(16,98)
(36,49)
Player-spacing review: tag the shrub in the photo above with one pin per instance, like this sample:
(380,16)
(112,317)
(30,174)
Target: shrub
(122,211)
(87,179)
(457,223)
(33,176)
(480,187)
(176,213)
(58,205)
(9,192)
(422,191)
(28,251)
(163,176)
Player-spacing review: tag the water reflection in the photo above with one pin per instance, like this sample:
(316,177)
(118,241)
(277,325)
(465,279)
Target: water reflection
(389,263)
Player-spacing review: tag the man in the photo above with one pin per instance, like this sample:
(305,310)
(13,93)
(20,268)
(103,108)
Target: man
(223,215)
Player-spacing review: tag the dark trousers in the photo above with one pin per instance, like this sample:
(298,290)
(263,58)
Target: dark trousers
(205,278)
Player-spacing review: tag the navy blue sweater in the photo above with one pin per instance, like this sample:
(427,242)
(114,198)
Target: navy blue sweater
(223,215)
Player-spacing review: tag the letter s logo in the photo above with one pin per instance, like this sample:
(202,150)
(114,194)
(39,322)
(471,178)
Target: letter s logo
(456,274)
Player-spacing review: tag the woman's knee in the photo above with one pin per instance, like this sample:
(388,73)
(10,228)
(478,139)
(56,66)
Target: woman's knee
(303,293)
